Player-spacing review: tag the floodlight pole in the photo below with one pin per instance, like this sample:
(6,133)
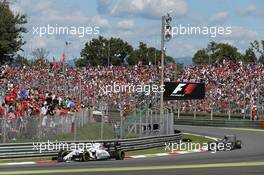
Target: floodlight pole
(108,53)
(162,71)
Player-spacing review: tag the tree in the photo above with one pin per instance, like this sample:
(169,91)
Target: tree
(40,55)
(225,51)
(216,52)
(81,62)
(147,54)
(201,57)
(249,56)
(259,48)
(20,61)
(10,32)
(98,50)
(142,53)
(153,55)
(211,49)
(120,51)
(169,59)
(261,59)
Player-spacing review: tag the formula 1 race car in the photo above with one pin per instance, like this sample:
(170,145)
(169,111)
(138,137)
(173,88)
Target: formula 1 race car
(95,151)
(228,143)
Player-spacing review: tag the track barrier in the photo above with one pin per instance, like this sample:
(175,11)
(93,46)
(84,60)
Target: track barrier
(221,123)
(27,150)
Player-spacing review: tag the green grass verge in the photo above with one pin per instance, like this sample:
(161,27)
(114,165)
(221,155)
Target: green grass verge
(114,115)
(91,131)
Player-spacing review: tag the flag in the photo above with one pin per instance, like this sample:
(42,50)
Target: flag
(55,66)
(62,58)
(62,61)
(51,75)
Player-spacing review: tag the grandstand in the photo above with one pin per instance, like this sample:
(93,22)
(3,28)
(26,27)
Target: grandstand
(231,88)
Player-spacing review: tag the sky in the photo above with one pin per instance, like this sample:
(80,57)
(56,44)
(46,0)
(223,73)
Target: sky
(139,20)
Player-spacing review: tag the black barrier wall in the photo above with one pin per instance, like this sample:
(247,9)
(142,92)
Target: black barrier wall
(220,123)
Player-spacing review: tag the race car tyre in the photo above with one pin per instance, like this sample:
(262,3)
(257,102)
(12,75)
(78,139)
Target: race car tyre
(120,155)
(85,157)
(238,144)
(62,154)
(54,158)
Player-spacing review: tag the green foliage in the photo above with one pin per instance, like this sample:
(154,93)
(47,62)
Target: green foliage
(40,53)
(180,67)
(142,53)
(261,59)
(169,59)
(81,62)
(10,32)
(20,61)
(249,56)
(258,46)
(225,51)
(201,57)
(99,50)
(216,52)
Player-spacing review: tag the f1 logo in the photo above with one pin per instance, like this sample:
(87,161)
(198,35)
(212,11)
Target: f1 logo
(184,90)
(178,89)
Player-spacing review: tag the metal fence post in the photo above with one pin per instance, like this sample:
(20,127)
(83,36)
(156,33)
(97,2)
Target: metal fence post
(102,126)
(178,112)
(83,122)
(121,123)
(172,123)
(212,114)
(229,114)
(140,123)
(195,110)
(135,123)
(229,110)
(151,122)
(75,128)
(146,122)
(167,122)
(4,124)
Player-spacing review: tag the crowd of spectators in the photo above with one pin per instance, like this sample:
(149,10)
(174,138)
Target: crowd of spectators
(25,92)
(229,85)
(42,91)
(35,91)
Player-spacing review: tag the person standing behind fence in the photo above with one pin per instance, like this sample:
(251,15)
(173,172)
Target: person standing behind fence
(1,111)
(254,113)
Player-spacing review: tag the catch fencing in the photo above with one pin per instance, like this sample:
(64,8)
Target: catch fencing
(38,127)
(149,122)
(221,123)
(195,109)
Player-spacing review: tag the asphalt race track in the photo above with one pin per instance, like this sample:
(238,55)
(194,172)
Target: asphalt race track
(247,161)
